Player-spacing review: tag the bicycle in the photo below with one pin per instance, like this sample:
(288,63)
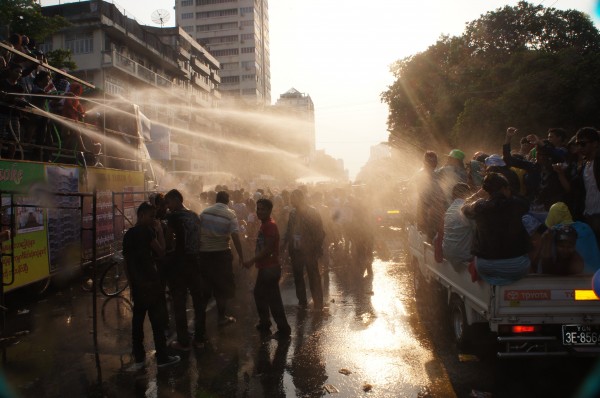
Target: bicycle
(116,312)
(114,278)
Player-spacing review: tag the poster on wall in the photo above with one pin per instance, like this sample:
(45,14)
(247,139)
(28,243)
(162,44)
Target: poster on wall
(110,185)
(64,225)
(30,250)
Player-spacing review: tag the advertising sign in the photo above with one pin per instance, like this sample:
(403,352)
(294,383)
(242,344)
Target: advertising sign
(30,234)
(107,181)
(64,225)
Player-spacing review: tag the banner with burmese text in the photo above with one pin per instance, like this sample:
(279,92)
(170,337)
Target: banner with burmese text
(30,234)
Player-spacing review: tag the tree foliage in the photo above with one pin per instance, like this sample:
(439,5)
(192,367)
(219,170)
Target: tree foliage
(62,59)
(528,66)
(25,17)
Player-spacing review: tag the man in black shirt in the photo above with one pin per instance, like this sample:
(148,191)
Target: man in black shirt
(141,244)
(183,236)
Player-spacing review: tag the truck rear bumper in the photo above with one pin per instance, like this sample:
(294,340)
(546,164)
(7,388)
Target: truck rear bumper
(541,346)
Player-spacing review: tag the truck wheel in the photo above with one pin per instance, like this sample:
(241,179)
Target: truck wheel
(458,318)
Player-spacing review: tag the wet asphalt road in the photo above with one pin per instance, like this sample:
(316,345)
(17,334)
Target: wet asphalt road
(373,340)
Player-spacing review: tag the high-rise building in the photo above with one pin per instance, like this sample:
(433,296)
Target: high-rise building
(236,32)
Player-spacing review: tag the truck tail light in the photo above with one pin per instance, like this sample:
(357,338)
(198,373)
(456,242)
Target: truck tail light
(524,329)
(585,295)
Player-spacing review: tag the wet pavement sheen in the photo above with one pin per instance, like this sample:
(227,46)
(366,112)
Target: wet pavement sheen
(361,345)
(371,341)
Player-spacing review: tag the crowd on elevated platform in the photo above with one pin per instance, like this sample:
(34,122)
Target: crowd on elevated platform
(32,92)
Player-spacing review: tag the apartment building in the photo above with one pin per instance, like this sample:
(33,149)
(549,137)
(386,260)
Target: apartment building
(236,32)
(151,67)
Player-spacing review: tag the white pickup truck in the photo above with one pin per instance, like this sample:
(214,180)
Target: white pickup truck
(539,315)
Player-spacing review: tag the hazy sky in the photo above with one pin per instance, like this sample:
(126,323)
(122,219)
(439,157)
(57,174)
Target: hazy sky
(339,52)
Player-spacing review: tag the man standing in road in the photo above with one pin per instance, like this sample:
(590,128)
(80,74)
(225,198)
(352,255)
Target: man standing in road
(304,238)
(183,235)
(219,225)
(141,244)
(266,290)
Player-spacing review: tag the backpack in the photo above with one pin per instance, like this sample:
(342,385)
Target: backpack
(186,224)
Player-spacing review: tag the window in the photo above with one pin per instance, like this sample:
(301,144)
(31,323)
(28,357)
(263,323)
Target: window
(185,3)
(80,43)
(217,26)
(207,2)
(230,79)
(188,29)
(221,39)
(247,65)
(229,66)
(46,46)
(114,89)
(187,15)
(246,10)
(248,50)
(216,14)
(248,22)
(228,51)
(249,91)
(247,36)
(246,78)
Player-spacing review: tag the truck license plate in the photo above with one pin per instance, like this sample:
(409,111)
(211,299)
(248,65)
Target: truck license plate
(581,334)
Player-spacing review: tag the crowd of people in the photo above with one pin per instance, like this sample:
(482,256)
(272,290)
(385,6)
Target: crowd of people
(535,209)
(25,85)
(183,251)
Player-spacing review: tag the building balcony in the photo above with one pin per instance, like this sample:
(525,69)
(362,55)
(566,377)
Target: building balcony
(201,66)
(113,59)
(129,66)
(215,77)
(185,53)
(201,83)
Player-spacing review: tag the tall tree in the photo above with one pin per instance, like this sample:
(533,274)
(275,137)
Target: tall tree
(25,17)
(525,65)
(61,58)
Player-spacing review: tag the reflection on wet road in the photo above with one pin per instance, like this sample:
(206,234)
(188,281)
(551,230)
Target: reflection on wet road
(370,341)
(363,343)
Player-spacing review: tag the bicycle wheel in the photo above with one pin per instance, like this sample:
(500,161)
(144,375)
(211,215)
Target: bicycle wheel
(116,313)
(114,279)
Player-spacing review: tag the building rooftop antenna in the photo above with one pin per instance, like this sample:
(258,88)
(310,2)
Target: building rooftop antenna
(160,17)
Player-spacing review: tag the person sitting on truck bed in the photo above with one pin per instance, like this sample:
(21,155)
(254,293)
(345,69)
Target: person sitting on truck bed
(558,254)
(451,173)
(495,164)
(458,230)
(476,170)
(429,198)
(501,243)
(535,228)
(545,180)
(586,245)
(588,141)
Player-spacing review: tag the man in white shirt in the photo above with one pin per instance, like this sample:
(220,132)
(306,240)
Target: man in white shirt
(587,140)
